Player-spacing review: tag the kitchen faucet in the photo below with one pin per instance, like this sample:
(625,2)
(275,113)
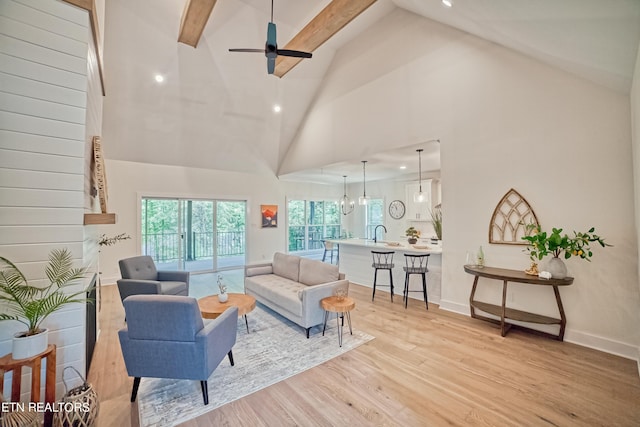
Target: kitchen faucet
(375,232)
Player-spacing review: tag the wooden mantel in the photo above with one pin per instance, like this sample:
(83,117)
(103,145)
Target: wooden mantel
(99,218)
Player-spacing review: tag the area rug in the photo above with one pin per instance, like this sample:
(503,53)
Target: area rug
(274,350)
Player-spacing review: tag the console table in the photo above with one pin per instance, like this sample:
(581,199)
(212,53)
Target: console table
(505,313)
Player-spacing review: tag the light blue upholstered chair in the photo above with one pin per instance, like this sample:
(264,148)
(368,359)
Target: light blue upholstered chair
(165,337)
(139,276)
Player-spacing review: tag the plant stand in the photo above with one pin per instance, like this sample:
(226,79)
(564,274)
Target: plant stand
(7,363)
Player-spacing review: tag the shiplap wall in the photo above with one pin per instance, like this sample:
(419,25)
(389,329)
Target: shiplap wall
(46,85)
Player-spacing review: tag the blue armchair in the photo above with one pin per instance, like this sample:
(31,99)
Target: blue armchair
(165,337)
(139,276)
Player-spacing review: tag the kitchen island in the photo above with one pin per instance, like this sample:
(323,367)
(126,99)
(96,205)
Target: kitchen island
(356,259)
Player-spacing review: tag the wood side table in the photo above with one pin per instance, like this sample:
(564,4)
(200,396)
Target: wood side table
(341,307)
(7,363)
(505,313)
(211,307)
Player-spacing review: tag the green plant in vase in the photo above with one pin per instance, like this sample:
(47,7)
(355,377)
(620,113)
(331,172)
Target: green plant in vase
(412,234)
(436,219)
(560,246)
(31,305)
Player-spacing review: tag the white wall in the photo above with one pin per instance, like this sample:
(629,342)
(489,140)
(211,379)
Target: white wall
(43,103)
(504,121)
(129,181)
(635,134)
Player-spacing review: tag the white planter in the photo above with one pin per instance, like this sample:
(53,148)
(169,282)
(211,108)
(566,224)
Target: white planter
(26,347)
(557,268)
(223,297)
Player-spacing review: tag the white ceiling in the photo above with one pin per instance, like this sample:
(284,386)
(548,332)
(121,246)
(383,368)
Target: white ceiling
(211,94)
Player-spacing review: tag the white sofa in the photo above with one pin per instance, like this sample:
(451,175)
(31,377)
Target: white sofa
(293,287)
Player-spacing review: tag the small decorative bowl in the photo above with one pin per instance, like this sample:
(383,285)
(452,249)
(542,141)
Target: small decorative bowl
(340,294)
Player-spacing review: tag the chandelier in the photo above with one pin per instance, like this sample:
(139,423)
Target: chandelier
(346,204)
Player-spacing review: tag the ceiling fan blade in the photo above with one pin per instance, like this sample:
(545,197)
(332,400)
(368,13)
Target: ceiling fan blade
(271,65)
(247,50)
(294,53)
(271,34)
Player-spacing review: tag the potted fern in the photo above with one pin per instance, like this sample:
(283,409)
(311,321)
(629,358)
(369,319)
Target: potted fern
(31,305)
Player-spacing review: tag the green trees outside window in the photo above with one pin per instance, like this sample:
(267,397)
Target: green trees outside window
(311,221)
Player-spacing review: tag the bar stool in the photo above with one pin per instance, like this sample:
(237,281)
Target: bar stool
(382,261)
(331,248)
(415,264)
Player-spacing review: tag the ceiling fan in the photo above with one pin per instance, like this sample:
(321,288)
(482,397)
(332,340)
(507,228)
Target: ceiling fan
(271,50)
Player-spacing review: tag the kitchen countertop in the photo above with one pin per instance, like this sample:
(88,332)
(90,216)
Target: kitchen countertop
(403,246)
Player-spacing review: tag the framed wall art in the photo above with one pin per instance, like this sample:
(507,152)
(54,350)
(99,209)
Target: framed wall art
(269,215)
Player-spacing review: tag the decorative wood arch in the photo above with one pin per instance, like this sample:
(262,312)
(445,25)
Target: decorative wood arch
(510,219)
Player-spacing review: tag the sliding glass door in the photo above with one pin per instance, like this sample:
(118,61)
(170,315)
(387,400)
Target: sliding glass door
(198,235)
(194,235)
(161,232)
(230,223)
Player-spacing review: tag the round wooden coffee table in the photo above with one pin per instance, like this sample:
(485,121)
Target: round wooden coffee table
(340,307)
(211,307)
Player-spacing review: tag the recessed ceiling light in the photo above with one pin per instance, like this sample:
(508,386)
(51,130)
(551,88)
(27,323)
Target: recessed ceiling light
(159,78)
(447,3)
(277,108)
(403,167)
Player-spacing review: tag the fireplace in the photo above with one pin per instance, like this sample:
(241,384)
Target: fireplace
(91,328)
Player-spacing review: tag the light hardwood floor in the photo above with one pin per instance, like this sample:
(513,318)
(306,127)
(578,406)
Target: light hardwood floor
(423,368)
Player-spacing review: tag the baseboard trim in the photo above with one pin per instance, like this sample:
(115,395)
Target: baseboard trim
(454,307)
(575,337)
(601,343)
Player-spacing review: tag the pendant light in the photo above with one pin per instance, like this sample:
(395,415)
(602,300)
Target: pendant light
(363,200)
(419,197)
(346,204)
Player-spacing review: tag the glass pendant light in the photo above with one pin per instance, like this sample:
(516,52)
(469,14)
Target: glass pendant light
(346,204)
(363,200)
(419,196)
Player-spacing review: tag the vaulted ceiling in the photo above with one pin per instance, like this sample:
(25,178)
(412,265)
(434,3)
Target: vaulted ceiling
(214,108)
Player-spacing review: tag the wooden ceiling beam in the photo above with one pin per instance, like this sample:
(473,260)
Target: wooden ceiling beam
(194,18)
(325,25)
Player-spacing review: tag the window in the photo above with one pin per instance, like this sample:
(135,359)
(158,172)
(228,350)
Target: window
(374,216)
(311,221)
